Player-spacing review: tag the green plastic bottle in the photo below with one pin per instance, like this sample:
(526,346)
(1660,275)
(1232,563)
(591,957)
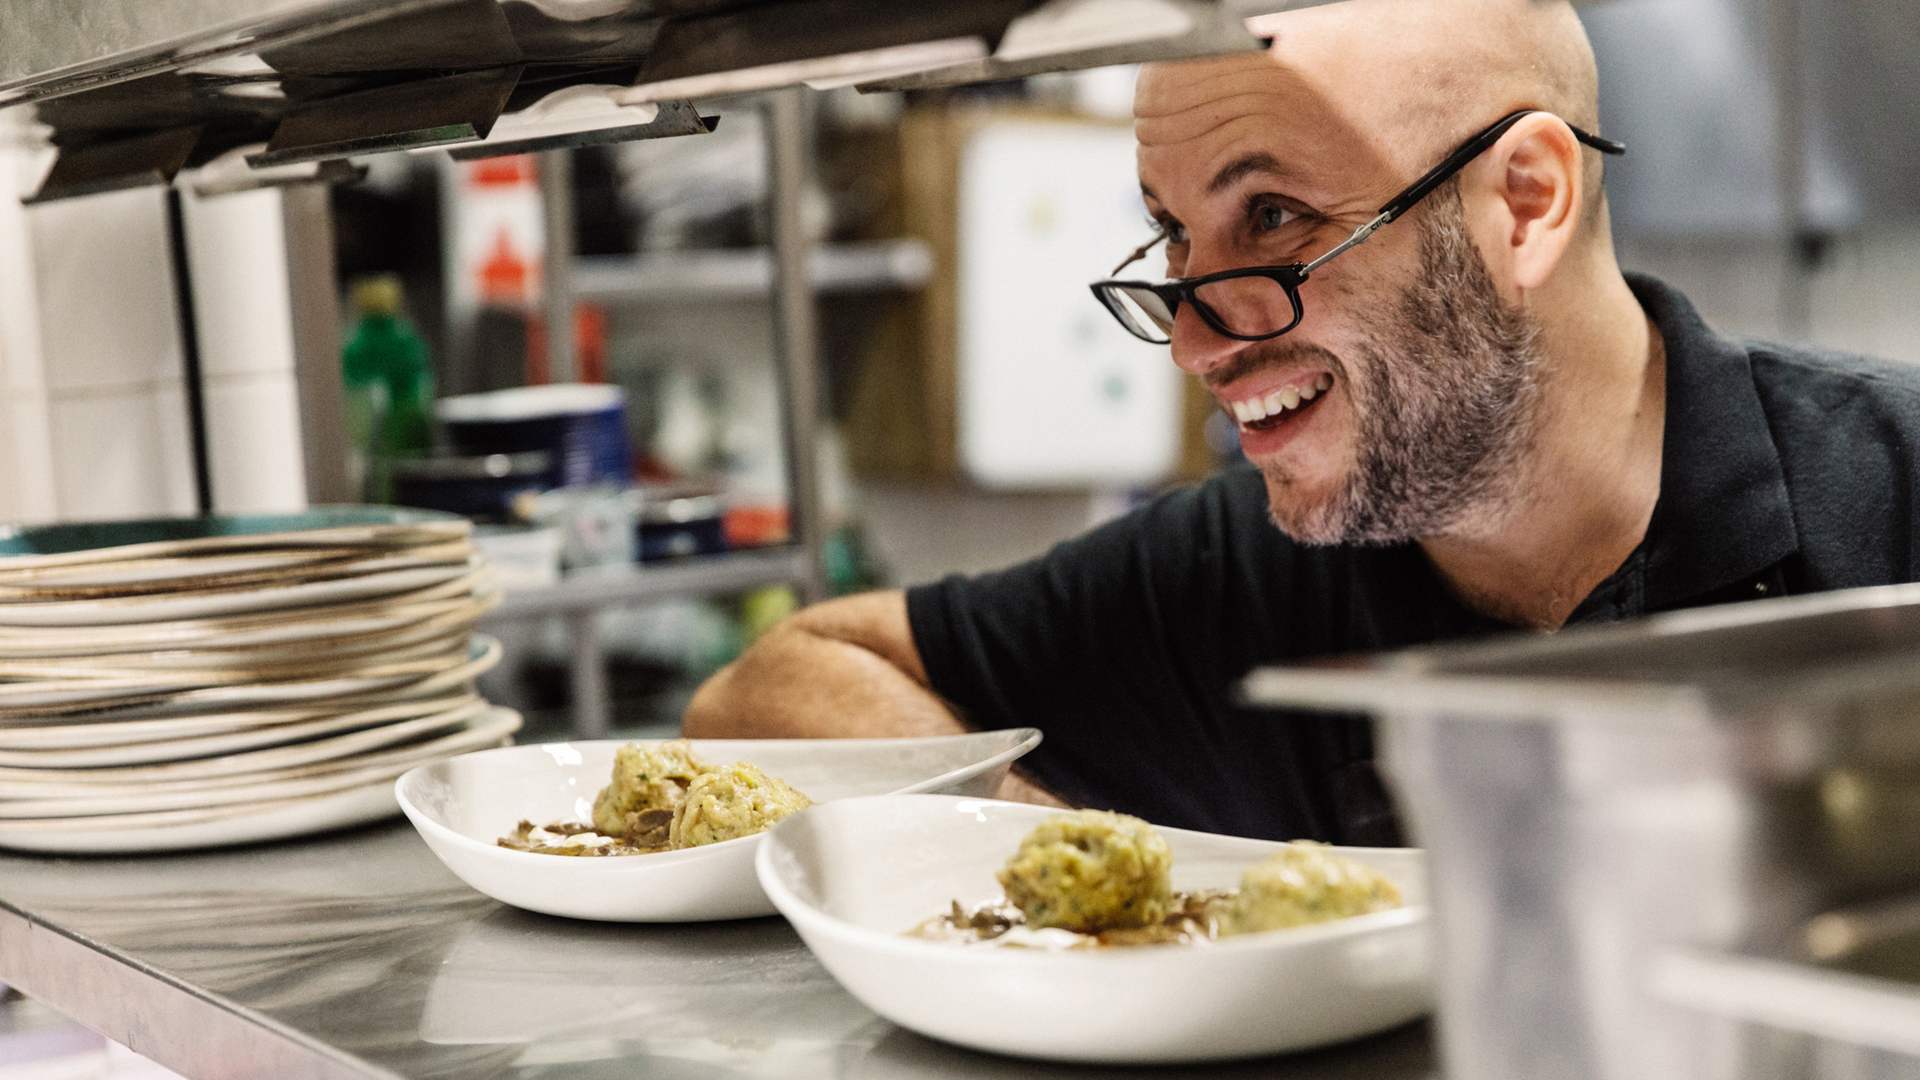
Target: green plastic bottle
(389,387)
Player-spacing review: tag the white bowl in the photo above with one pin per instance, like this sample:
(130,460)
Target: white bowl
(853,876)
(463,805)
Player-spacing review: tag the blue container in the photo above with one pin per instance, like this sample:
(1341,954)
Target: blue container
(482,488)
(584,427)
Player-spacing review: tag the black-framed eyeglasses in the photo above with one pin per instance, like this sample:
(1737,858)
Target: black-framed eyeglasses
(1255,303)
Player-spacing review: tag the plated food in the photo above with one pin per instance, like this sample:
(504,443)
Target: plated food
(1096,878)
(853,876)
(663,797)
(464,806)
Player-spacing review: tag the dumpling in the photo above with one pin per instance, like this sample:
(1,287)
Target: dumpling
(1091,871)
(1300,884)
(653,777)
(729,803)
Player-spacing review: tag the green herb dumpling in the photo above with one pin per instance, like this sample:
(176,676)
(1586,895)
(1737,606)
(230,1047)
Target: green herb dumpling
(1091,871)
(645,778)
(1300,884)
(726,804)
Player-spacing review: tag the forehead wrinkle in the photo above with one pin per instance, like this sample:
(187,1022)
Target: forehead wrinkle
(1203,118)
(1168,88)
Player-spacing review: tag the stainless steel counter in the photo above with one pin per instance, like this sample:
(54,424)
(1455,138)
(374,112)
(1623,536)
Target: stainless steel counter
(359,955)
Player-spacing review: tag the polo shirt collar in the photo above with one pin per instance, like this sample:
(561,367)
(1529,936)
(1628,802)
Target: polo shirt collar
(1723,514)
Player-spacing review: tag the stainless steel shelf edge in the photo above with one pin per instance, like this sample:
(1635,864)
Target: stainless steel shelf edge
(1835,1005)
(892,264)
(716,573)
(184,1028)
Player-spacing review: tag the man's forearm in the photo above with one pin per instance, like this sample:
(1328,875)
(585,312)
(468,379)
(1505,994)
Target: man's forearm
(843,669)
(798,683)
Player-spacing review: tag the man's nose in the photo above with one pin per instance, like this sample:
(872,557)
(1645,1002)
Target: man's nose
(1197,347)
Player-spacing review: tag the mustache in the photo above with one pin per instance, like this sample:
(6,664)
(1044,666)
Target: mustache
(1280,352)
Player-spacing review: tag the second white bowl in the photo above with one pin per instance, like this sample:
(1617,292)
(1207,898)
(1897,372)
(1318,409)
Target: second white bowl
(853,876)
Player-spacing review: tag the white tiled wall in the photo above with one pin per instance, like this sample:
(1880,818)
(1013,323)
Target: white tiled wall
(110,346)
(92,364)
(26,438)
(238,250)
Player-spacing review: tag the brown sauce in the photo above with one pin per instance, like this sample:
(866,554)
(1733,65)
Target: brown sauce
(1189,921)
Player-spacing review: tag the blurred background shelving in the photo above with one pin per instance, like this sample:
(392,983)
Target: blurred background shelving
(968,413)
(701,276)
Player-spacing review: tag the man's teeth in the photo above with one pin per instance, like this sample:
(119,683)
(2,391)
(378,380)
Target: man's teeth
(1252,410)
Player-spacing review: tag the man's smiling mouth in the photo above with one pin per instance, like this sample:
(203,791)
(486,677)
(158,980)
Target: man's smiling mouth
(1273,409)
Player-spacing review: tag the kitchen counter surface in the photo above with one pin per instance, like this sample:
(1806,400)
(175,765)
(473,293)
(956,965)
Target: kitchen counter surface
(357,954)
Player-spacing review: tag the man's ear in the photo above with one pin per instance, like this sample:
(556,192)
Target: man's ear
(1535,177)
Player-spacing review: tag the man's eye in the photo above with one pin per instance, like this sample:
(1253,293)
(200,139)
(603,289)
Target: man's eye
(1270,217)
(1176,232)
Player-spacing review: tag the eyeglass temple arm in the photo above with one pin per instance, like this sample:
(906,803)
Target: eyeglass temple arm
(1139,252)
(1439,174)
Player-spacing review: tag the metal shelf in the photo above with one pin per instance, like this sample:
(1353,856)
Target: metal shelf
(748,272)
(731,572)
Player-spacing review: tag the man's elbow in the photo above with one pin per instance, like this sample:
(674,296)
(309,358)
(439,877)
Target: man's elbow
(710,715)
(734,702)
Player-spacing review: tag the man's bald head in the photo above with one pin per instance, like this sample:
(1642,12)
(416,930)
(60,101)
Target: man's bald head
(1407,78)
(1402,402)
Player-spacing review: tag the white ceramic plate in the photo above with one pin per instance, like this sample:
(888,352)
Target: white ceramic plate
(141,577)
(278,629)
(357,648)
(462,806)
(183,830)
(165,607)
(853,876)
(413,679)
(311,744)
(117,809)
(44,686)
(227,665)
(133,743)
(80,543)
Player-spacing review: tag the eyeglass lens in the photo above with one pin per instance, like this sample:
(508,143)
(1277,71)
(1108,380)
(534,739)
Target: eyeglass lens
(1145,313)
(1248,306)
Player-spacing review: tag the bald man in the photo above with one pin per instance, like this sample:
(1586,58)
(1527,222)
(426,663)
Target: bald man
(1389,259)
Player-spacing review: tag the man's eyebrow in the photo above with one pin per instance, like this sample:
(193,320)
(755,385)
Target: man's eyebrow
(1257,162)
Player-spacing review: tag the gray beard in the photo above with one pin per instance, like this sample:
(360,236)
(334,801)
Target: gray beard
(1445,402)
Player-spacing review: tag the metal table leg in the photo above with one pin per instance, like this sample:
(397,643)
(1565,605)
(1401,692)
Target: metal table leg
(592,709)
(796,341)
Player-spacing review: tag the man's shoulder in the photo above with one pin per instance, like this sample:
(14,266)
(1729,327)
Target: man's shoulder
(1827,378)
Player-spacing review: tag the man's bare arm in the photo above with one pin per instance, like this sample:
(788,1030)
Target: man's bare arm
(846,668)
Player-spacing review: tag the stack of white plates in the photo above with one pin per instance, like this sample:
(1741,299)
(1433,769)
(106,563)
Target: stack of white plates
(184,683)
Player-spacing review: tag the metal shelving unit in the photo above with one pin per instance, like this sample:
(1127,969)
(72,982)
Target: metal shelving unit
(748,273)
(789,273)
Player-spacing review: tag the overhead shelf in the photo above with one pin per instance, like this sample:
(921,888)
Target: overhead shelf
(748,272)
(290,81)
